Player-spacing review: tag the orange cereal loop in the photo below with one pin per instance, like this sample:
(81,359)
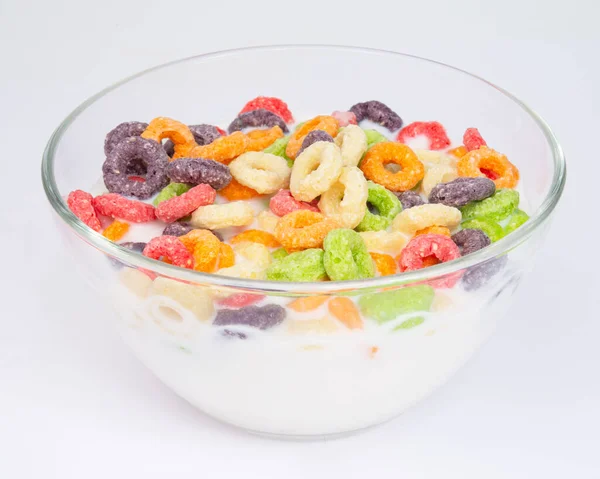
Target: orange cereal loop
(459,151)
(258,140)
(205,247)
(485,158)
(303,229)
(346,312)
(116,230)
(384,263)
(256,236)
(226,256)
(224,149)
(181,136)
(308,303)
(322,122)
(434,230)
(236,191)
(378,156)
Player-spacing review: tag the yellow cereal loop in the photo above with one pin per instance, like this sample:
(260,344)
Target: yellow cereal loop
(315,170)
(353,144)
(212,217)
(263,172)
(418,217)
(384,241)
(193,298)
(346,200)
(267,221)
(437,174)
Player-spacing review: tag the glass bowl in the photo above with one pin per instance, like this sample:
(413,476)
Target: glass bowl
(310,376)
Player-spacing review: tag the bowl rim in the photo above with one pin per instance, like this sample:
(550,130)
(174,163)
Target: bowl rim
(131,258)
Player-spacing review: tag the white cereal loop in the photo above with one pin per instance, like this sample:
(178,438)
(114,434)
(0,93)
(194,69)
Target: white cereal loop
(315,170)
(195,299)
(267,221)
(418,217)
(346,200)
(437,174)
(263,172)
(353,144)
(236,213)
(432,158)
(252,261)
(384,242)
(325,325)
(135,281)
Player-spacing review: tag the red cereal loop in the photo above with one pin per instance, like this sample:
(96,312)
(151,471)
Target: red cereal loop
(345,118)
(81,204)
(117,206)
(239,300)
(473,140)
(180,206)
(171,248)
(283,203)
(419,250)
(221,131)
(433,130)
(275,105)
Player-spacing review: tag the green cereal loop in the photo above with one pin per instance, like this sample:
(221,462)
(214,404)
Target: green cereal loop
(346,256)
(386,202)
(304,265)
(374,137)
(170,191)
(388,305)
(279,254)
(497,207)
(518,218)
(410,323)
(278,148)
(492,229)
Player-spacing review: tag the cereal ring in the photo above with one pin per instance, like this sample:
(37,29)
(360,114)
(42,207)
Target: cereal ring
(458,152)
(80,203)
(279,254)
(254,259)
(345,118)
(303,229)
(260,317)
(203,134)
(469,241)
(226,255)
(409,199)
(353,144)
(485,158)
(283,203)
(436,175)
(274,105)
(346,256)
(170,191)
(492,229)
(257,118)
(420,247)
(263,172)
(461,191)
(278,148)
(385,264)
(419,217)
(116,230)
(384,241)
(139,157)
(170,247)
(239,300)
(374,137)
(435,230)
(313,137)
(374,164)
(163,127)
(177,229)
(431,158)
(515,221)
(235,191)
(388,305)
(256,236)
(322,122)
(267,221)
(260,139)
(223,149)
(479,275)
(433,130)
(191,297)
(473,140)
(345,312)
(307,303)
(346,200)
(205,248)
(180,206)
(304,265)
(116,206)
(214,217)
(377,112)
(195,171)
(497,207)
(122,131)
(315,170)
(385,206)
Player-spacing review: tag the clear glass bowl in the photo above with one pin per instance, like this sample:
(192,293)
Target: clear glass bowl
(303,378)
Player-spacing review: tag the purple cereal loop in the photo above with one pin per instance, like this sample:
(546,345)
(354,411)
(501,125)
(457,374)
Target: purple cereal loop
(377,112)
(470,240)
(257,118)
(261,317)
(313,137)
(195,171)
(479,275)
(181,228)
(410,199)
(122,131)
(131,153)
(462,191)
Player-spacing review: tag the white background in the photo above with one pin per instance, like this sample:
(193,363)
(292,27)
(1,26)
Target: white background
(75,403)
